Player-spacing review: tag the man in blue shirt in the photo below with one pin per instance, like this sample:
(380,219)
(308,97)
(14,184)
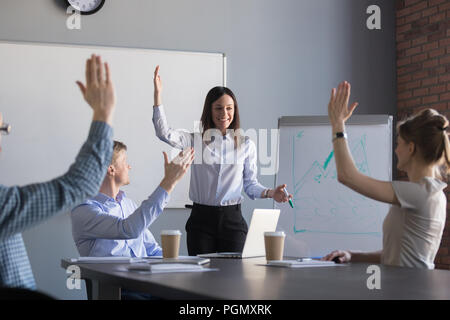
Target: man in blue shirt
(111,224)
(23,207)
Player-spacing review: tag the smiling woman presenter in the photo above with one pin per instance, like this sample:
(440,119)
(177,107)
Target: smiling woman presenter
(228,165)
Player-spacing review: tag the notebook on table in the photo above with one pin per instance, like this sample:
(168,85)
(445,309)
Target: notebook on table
(300,264)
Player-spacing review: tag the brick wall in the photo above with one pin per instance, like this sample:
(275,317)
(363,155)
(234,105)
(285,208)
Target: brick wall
(423,71)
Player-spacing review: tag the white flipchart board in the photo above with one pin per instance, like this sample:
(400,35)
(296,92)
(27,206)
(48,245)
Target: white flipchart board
(327,215)
(50,119)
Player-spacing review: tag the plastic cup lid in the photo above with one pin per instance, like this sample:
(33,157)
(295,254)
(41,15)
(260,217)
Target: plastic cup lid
(171,232)
(275,234)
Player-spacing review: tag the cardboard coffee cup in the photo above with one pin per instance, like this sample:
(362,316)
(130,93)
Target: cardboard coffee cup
(170,242)
(274,243)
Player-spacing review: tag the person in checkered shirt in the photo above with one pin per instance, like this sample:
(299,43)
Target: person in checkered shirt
(23,207)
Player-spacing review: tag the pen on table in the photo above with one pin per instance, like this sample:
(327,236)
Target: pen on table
(304,259)
(287,195)
(308,259)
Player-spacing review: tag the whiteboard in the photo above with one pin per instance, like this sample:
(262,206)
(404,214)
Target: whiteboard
(50,119)
(327,215)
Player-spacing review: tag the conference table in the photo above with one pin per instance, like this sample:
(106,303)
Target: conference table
(250,279)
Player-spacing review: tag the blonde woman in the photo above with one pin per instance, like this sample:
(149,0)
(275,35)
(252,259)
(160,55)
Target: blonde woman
(413,228)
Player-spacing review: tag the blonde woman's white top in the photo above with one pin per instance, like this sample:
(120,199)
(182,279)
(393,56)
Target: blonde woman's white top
(412,232)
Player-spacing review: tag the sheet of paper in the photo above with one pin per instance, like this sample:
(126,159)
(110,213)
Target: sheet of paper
(106,260)
(180,259)
(166,268)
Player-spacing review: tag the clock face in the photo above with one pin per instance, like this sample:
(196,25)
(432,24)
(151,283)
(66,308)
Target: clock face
(86,6)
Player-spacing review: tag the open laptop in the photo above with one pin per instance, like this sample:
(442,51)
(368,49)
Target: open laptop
(262,220)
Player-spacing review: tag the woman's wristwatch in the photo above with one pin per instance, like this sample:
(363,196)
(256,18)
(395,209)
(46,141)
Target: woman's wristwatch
(266,193)
(338,135)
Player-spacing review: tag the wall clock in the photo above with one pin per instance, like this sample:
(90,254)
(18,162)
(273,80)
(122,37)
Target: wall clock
(86,6)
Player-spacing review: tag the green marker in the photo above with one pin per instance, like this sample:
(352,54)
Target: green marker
(287,195)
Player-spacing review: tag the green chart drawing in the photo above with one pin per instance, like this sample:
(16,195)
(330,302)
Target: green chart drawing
(340,210)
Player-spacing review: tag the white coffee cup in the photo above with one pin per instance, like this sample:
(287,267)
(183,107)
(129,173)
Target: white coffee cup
(170,243)
(274,244)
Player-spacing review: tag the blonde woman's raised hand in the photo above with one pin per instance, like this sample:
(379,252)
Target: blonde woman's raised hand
(338,110)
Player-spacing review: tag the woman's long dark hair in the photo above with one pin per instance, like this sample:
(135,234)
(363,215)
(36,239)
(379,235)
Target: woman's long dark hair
(207,121)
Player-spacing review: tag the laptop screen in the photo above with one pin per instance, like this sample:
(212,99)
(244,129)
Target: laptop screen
(262,220)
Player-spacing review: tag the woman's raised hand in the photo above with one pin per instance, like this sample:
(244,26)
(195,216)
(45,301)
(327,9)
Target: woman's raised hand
(157,84)
(338,110)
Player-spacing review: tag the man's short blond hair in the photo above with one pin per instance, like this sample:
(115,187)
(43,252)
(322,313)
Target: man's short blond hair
(117,148)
